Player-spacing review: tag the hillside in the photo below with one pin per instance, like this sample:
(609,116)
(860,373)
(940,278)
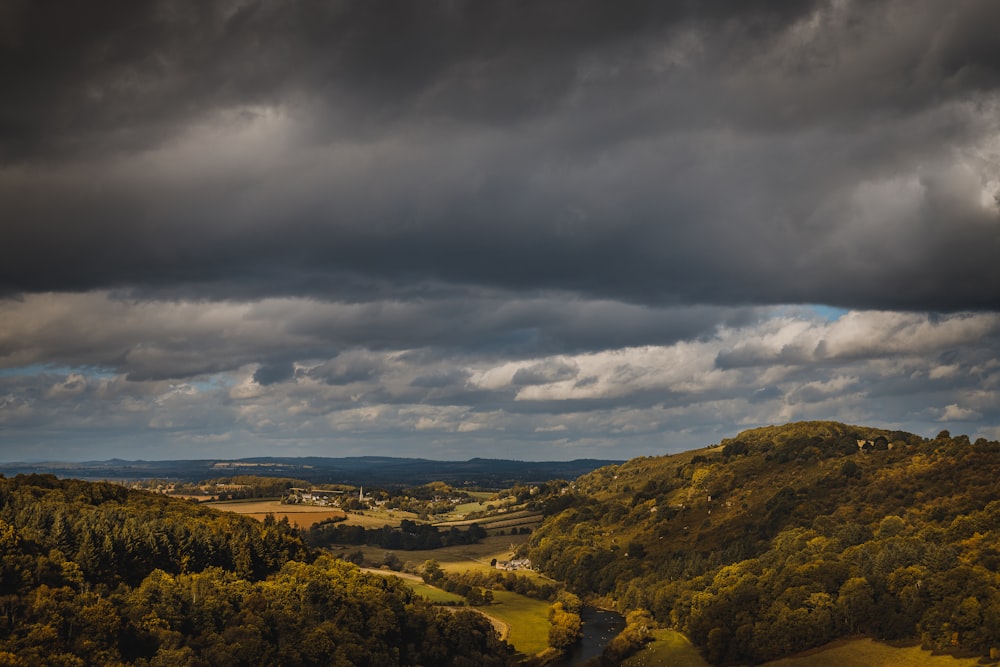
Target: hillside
(95,574)
(783,538)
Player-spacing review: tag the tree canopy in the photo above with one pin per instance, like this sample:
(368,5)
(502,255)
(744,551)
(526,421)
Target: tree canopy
(784,538)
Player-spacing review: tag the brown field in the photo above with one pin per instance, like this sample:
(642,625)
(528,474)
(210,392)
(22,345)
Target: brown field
(304,516)
(300,516)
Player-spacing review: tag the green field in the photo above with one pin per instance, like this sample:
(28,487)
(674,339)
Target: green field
(433,593)
(668,648)
(864,652)
(672,649)
(528,619)
(457,558)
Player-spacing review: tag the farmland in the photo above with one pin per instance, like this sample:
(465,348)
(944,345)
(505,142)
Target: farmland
(300,516)
(304,516)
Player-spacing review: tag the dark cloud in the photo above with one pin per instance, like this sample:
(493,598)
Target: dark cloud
(441,379)
(123,74)
(257,220)
(343,371)
(647,152)
(272,373)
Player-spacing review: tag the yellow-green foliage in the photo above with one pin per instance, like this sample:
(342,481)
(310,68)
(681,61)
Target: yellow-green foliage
(93,574)
(784,538)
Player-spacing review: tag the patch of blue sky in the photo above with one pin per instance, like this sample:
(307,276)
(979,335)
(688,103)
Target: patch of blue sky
(54,369)
(209,385)
(829,313)
(810,311)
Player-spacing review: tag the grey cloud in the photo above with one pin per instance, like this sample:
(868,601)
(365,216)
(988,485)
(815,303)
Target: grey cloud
(712,177)
(175,339)
(764,394)
(396,199)
(125,72)
(441,379)
(273,373)
(544,373)
(346,370)
(755,355)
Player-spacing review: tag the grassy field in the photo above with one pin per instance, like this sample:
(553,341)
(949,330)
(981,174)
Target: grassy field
(527,618)
(672,649)
(668,648)
(458,558)
(433,593)
(521,621)
(864,652)
(498,522)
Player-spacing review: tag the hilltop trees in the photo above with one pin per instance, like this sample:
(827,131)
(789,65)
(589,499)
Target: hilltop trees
(94,574)
(786,537)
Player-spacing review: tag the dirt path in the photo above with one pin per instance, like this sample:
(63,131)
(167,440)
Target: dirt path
(392,573)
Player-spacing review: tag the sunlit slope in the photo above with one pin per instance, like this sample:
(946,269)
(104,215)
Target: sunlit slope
(783,538)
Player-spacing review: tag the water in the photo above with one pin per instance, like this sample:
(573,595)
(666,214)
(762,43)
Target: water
(599,628)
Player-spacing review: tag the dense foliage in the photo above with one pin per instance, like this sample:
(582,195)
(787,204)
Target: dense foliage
(409,536)
(93,574)
(786,537)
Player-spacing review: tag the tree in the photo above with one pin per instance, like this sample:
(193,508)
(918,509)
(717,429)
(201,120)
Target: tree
(565,628)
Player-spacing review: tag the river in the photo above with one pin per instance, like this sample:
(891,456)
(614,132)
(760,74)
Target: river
(599,628)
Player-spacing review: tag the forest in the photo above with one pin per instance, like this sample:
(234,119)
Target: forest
(96,574)
(409,536)
(784,538)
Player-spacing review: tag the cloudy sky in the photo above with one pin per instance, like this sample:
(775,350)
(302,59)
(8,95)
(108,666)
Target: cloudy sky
(533,230)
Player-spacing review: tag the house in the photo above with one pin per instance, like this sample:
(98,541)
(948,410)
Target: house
(511,565)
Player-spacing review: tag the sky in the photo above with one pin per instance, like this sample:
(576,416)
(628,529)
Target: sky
(529,230)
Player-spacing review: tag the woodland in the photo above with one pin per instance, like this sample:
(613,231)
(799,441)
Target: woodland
(784,538)
(95,574)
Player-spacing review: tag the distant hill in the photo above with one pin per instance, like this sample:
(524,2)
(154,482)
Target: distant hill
(786,537)
(368,470)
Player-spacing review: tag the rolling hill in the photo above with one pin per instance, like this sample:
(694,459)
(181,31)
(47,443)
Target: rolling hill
(786,537)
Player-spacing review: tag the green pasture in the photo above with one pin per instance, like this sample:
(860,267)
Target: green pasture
(672,649)
(667,648)
(527,618)
(433,593)
(865,652)
(468,508)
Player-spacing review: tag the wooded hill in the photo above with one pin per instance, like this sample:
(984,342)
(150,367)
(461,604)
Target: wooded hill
(784,538)
(95,574)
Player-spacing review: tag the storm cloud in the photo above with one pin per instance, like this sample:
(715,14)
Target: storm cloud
(611,228)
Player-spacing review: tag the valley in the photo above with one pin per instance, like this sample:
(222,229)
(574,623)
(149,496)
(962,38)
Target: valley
(809,543)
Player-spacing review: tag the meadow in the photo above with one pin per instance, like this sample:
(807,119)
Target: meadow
(672,649)
(864,651)
(668,648)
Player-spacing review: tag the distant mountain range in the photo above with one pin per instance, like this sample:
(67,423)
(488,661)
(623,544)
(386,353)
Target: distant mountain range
(368,470)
